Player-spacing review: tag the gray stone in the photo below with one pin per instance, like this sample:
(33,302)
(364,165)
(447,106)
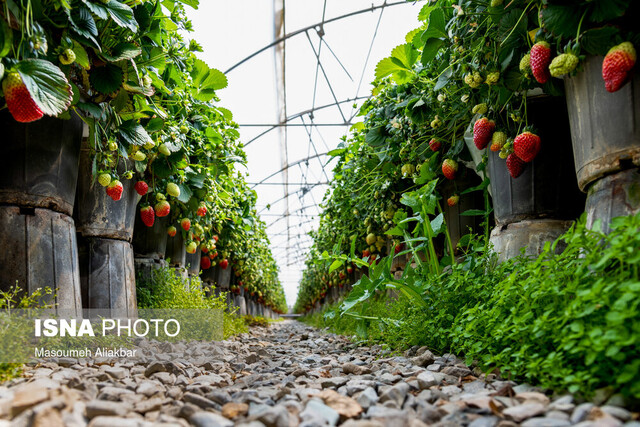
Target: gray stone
(117,372)
(520,413)
(620,413)
(317,411)
(581,412)
(334,382)
(209,419)
(545,422)
(424,359)
(200,401)
(428,379)
(490,421)
(106,421)
(96,408)
(397,394)
(367,398)
(277,416)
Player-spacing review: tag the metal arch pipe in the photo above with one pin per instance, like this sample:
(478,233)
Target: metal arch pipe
(288,166)
(310,27)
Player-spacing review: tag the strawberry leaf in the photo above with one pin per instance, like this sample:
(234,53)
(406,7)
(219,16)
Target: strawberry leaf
(47,85)
(106,79)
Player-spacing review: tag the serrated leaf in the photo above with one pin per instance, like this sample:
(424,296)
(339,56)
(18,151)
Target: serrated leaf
(185,193)
(443,79)
(335,265)
(196,180)
(212,135)
(121,15)
(154,125)
(375,136)
(227,114)
(106,79)
(82,58)
(561,19)
(47,85)
(436,27)
(122,51)
(598,40)
(430,50)
(607,10)
(157,59)
(133,133)
(424,13)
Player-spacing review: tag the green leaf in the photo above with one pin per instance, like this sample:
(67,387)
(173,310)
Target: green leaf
(185,193)
(561,19)
(212,135)
(46,84)
(607,10)
(375,137)
(227,114)
(133,133)
(82,58)
(106,79)
(425,12)
(157,59)
(122,51)
(430,50)
(335,265)
(437,224)
(598,40)
(121,15)
(337,152)
(6,38)
(436,27)
(443,79)
(83,24)
(154,125)
(206,81)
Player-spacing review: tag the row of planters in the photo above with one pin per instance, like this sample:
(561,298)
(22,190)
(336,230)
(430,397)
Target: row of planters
(505,120)
(135,163)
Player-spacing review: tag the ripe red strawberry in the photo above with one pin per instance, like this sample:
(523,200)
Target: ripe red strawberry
(515,165)
(171,231)
(185,223)
(449,168)
(141,188)
(397,249)
(224,264)
(148,215)
(366,253)
(540,60)
(163,208)
(526,146)
(205,263)
(617,65)
(349,269)
(202,210)
(453,200)
(434,144)
(19,101)
(114,190)
(482,132)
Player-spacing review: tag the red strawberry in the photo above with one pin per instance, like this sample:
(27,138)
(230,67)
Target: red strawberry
(148,215)
(482,132)
(185,224)
(202,210)
(366,253)
(526,146)
(617,65)
(515,165)
(435,145)
(114,190)
(163,208)
(171,231)
(205,263)
(19,101)
(540,60)
(224,264)
(449,168)
(453,200)
(349,269)
(397,249)
(141,188)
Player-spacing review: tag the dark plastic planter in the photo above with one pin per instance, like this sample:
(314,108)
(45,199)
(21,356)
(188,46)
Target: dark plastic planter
(547,188)
(604,126)
(612,196)
(150,242)
(41,162)
(97,215)
(176,252)
(192,261)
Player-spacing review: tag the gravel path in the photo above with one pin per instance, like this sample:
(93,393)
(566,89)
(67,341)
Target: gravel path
(286,375)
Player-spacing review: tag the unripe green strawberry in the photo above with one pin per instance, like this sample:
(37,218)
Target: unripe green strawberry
(617,66)
(192,247)
(163,208)
(540,60)
(492,78)
(497,141)
(160,197)
(163,149)
(563,64)
(449,168)
(184,129)
(113,146)
(479,108)
(68,56)
(138,156)
(19,101)
(146,80)
(525,65)
(173,190)
(496,3)
(104,179)
(128,175)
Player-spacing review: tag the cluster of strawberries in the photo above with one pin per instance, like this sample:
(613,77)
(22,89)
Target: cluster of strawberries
(616,68)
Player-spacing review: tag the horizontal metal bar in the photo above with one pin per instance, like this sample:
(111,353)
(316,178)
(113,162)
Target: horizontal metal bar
(287,183)
(293,124)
